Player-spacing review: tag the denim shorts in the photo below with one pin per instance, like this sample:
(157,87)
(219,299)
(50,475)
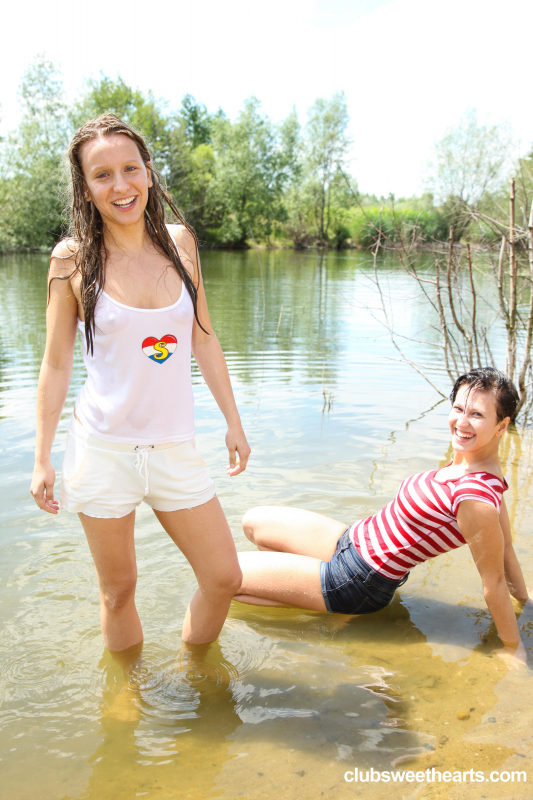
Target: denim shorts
(350,585)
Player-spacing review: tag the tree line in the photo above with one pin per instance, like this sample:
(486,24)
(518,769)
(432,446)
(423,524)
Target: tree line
(250,179)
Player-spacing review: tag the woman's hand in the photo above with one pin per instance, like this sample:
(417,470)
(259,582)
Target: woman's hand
(238,448)
(42,487)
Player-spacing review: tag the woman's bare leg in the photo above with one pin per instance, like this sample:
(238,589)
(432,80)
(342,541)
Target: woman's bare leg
(293,530)
(113,550)
(203,536)
(282,579)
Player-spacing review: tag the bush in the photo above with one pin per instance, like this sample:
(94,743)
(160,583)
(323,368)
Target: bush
(426,225)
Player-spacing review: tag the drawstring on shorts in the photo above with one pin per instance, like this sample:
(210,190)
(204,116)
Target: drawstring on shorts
(141,462)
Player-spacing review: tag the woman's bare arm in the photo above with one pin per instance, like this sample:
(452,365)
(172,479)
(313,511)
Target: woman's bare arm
(54,377)
(211,362)
(513,572)
(480,526)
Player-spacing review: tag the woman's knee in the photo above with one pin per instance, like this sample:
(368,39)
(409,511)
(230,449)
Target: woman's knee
(225,584)
(115,595)
(252,521)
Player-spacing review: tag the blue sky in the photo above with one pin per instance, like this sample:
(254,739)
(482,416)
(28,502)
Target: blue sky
(410,68)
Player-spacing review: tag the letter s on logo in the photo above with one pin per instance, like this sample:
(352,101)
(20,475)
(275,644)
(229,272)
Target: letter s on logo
(161,350)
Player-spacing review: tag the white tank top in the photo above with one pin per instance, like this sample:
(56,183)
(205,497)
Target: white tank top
(138,388)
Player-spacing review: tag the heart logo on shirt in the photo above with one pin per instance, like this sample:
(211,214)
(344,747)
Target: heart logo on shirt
(159,350)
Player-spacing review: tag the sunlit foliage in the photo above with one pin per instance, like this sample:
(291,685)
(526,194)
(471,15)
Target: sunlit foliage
(248,179)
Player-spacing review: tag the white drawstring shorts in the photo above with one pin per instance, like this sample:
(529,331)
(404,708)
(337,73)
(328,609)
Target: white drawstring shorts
(108,480)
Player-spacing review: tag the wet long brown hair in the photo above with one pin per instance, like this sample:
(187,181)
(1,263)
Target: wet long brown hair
(87,227)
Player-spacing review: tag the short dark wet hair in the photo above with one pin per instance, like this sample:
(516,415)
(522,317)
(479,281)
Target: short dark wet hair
(488,379)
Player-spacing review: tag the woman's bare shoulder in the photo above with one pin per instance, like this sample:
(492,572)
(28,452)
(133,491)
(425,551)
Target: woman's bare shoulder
(182,235)
(63,258)
(187,246)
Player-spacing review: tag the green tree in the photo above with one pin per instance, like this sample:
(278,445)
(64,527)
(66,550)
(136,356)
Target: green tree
(470,164)
(290,148)
(327,146)
(245,195)
(189,174)
(142,111)
(30,163)
(191,161)
(197,121)
(296,197)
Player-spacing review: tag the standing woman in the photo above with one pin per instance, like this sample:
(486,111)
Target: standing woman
(133,286)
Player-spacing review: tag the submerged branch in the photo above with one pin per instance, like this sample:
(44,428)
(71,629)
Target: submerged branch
(510,360)
(501,298)
(522,386)
(391,332)
(444,326)
(460,305)
(473,290)
(262,280)
(450,292)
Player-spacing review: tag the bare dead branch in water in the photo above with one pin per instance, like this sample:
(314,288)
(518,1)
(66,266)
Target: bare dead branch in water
(262,279)
(501,298)
(442,317)
(526,361)
(279,321)
(473,335)
(450,291)
(510,361)
(405,359)
(455,299)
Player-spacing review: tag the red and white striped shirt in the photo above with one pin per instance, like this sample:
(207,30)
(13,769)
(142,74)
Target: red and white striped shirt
(421,522)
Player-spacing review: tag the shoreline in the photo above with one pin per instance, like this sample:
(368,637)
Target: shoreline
(204,245)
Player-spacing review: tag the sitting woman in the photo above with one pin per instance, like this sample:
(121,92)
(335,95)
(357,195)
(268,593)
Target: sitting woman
(313,562)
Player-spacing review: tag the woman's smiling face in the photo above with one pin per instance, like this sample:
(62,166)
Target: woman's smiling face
(473,420)
(117,178)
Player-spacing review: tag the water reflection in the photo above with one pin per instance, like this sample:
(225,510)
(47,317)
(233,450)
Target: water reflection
(175,719)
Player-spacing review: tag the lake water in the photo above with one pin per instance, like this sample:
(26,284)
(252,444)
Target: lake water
(289,700)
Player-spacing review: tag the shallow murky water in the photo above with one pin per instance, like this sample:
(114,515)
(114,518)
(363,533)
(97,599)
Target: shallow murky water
(288,701)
